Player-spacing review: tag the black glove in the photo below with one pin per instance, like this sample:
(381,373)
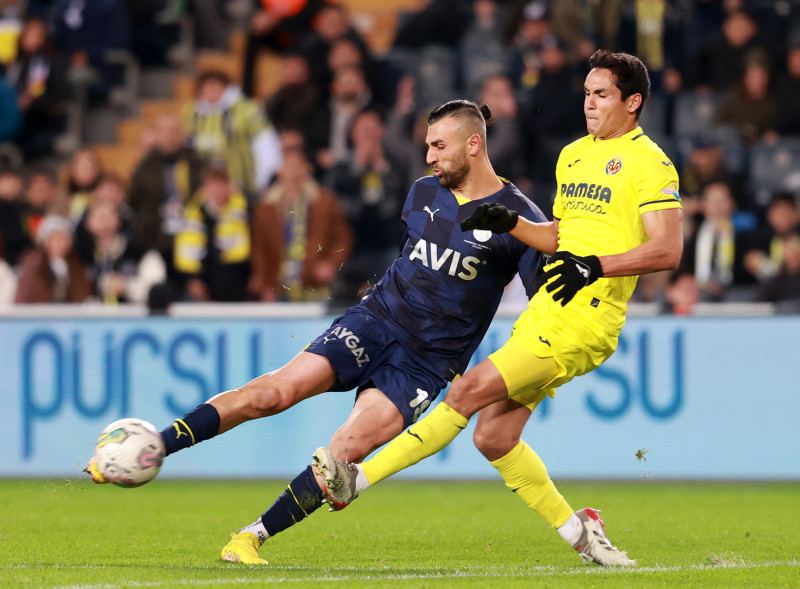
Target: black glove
(492,216)
(571,275)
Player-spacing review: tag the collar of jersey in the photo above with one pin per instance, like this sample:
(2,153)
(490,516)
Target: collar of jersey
(629,136)
(467,200)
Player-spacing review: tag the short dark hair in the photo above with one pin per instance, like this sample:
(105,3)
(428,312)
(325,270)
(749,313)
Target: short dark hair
(630,74)
(112,178)
(785,198)
(215,75)
(216,169)
(479,116)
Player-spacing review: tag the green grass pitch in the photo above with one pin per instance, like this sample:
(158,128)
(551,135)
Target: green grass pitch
(401,533)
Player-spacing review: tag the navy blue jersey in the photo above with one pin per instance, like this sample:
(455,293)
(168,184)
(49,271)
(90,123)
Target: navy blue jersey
(439,296)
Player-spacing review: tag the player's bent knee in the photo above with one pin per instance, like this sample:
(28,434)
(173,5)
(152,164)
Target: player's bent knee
(471,393)
(494,443)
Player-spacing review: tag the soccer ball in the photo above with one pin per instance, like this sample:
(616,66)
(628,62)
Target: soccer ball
(129,452)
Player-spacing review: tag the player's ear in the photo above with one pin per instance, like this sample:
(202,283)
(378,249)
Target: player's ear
(474,144)
(633,102)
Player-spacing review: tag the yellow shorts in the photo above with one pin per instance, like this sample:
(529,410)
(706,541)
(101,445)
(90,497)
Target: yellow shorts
(577,342)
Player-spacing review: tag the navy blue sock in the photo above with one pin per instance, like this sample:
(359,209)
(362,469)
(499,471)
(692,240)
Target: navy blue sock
(201,423)
(300,499)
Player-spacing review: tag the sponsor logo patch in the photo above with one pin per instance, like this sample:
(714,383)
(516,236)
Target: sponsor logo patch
(671,190)
(351,341)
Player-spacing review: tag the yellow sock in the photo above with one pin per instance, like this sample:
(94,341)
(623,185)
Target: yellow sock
(526,475)
(424,438)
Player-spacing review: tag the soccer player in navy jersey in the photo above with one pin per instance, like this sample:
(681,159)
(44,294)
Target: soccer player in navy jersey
(408,337)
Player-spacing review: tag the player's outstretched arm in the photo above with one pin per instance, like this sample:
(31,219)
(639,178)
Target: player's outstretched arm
(662,251)
(540,236)
(497,218)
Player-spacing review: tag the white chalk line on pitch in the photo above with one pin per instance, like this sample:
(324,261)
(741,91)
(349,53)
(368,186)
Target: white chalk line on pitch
(537,571)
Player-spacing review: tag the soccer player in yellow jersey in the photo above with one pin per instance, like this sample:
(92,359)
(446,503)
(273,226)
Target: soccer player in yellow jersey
(617,214)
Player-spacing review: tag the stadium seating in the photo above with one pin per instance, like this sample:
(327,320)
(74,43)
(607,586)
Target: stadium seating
(377,21)
(654,115)
(120,159)
(694,112)
(734,153)
(775,167)
(434,69)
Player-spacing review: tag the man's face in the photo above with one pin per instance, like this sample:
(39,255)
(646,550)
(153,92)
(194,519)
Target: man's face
(367,129)
(294,71)
(448,152)
(782,217)
(738,29)
(331,24)
(85,168)
(41,191)
(607,115)
(348,85)
(33,36)
(169,137)
(707,159)
(111,192)
(10,186)
(212,90)
(295,169)
(103,220)
(58,244)
(217,191)
(718,204)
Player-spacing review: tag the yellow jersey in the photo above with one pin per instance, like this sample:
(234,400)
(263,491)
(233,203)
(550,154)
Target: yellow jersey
(604,187)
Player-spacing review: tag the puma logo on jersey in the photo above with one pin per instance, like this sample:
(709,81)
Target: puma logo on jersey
(429,211)
(351,341)
(448,261)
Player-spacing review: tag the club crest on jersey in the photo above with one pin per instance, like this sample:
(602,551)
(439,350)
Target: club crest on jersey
(482,235)
(351,341)
(613,166)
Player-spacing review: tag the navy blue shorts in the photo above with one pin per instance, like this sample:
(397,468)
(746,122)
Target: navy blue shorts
(365,354)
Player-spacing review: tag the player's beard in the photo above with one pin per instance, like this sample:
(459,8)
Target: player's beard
(456,174)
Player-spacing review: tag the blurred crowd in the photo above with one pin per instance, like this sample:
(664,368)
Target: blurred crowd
(297,196)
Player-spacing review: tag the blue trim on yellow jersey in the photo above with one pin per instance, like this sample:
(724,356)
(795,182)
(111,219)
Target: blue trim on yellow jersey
(656,202)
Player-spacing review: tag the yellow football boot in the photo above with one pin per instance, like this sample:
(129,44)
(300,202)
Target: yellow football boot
(243,548)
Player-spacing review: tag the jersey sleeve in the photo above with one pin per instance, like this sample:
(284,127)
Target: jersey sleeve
(529,268)
(558,205)
(657,184)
